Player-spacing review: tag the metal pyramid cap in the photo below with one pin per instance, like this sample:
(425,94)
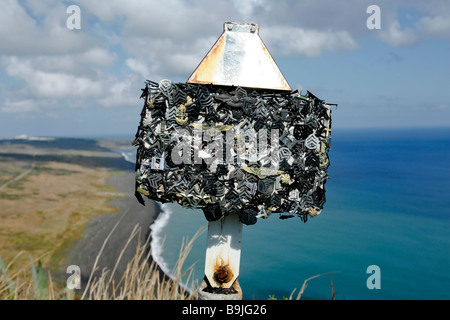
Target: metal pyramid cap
(240,58)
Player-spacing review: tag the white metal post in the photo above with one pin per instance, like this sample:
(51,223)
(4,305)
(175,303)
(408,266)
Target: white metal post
(223,256)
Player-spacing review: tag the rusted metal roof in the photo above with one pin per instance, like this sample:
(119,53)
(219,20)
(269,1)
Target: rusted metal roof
(240,58)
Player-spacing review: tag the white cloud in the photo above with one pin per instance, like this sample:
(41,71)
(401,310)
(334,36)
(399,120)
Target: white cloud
(123,43)
(80,64)
(98,57)
(435,26)
(43,89)
(51,84)
(247,7)
(122,93)
(22,33)
(152,56)
(19,106)
(397,36)
(138,67)
(176,19)
(309,43)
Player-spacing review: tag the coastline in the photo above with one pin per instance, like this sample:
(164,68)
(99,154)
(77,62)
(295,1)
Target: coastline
(66,190)
(130,214)
(75,200)
(50,191)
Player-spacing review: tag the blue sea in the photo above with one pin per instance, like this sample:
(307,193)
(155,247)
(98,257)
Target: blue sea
(388,205)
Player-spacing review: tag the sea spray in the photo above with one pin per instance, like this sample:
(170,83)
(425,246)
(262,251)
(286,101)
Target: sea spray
(129,154)
(157,243)
(157,240)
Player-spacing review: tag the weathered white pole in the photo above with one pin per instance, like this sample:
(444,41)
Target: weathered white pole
(223,256)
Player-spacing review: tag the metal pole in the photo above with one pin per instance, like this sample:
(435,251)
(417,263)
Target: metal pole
(223,255)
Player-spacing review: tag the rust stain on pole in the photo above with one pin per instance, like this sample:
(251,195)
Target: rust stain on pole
(223,251)
(205,70)
(222,274)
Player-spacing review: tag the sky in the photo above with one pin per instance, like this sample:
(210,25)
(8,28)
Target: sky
(57,80)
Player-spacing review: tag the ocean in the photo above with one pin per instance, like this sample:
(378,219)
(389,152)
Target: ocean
(387,206)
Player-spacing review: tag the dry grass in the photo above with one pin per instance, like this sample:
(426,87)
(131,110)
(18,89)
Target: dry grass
(142,280)
(305,284)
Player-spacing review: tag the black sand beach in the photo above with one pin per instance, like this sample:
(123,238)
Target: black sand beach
(130,214)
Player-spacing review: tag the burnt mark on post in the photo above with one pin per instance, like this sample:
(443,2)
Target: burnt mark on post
(222,274)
